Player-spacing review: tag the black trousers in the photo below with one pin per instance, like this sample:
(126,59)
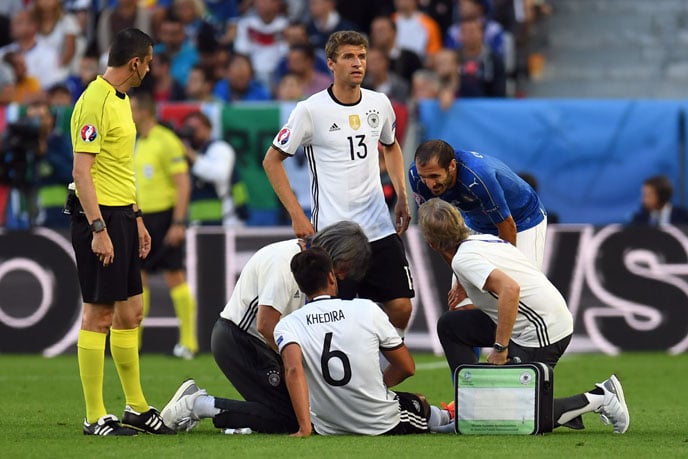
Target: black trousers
(462,330)
(256,371)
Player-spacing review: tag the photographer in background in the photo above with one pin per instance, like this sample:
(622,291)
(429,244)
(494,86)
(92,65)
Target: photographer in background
(24,144)
(54,169)
(211,164)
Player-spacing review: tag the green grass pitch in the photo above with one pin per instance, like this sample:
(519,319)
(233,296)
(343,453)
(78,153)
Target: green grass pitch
(41,410)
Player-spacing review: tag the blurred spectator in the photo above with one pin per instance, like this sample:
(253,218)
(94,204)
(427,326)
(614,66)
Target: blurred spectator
(416,30)
(425,84)
(656,207)
(42,61)
(295,34)
(219,63)
(482,71)
(493,32)
(6,84)
(324,21)
(165,88)
(124,14)
(260,36)
(362,12)
(211,165)
(440,11)
(301,62)
(89,69)
(199,86)
(446,66)
(54,171)
(552,217)
(383,35)
(181,51)
(59,95)
(27,87)
(60,31)
(193,14)
(239,83)
(289,88)
(498,40)
(297,10)
(379,78)
(8,8)
(222,15)
(85,13)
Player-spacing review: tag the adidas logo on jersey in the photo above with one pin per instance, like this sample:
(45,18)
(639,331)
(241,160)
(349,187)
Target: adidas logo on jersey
(334,127)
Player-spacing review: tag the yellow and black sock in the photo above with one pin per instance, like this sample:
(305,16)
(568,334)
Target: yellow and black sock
(185,309)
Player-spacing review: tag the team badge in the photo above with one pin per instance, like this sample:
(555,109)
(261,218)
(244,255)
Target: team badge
(89,133)
(354,122)
(274,378)
(283,136)
(373,118)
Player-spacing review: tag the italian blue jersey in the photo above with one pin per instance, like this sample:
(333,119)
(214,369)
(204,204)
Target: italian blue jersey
(486,192)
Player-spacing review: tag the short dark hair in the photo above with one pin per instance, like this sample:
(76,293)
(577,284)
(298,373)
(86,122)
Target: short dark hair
(146,102)
(662,185)
(311,269)
(435,148)
(127,44)
(341,38)
(200,116)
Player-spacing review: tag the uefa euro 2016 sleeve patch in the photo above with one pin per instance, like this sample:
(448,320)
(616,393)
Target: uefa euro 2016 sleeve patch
(283,136)
(89,133)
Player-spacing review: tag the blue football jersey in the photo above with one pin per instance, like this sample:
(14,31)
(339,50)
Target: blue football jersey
(486,192)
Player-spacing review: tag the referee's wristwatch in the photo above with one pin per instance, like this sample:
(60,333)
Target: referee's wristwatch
(499,348)
(98,225)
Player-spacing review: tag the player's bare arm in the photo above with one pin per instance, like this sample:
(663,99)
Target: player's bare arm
(274,169)
(295,379)
(508,293)
(101,244)
(401,365)
(177,231)
(266,319)
(507,230)
(397,173)
(144,237)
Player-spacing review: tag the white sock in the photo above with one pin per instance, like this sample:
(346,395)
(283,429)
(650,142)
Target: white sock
(204,407)
(440,421)
(595,401)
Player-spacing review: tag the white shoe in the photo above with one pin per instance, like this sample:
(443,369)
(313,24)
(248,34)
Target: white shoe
(614,410)
(178,413)
(182,352)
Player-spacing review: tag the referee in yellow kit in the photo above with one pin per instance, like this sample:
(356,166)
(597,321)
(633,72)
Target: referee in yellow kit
(109,237)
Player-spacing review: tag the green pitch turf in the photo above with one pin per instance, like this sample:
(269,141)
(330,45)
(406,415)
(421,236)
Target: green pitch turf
(41,410)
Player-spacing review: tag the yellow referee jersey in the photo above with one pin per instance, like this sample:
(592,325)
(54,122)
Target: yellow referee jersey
(102,124)
(159,156)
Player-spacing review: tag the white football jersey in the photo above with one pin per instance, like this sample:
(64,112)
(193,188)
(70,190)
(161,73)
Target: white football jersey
(340,341)
(543,317)
(341,145)
(265,280)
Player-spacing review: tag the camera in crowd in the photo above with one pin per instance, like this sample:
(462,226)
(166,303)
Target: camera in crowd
(19,153)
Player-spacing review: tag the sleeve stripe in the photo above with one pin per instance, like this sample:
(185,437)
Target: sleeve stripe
(393,348)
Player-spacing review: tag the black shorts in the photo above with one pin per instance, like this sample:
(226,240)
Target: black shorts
(414,414)
(120,280)
(388,276)
(162,256)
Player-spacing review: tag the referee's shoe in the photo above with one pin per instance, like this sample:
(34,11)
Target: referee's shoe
(150,421)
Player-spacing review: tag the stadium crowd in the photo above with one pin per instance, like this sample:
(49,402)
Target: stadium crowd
(259,50)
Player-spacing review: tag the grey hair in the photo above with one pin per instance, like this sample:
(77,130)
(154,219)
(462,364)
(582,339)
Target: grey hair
(348,247)
(442,225)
